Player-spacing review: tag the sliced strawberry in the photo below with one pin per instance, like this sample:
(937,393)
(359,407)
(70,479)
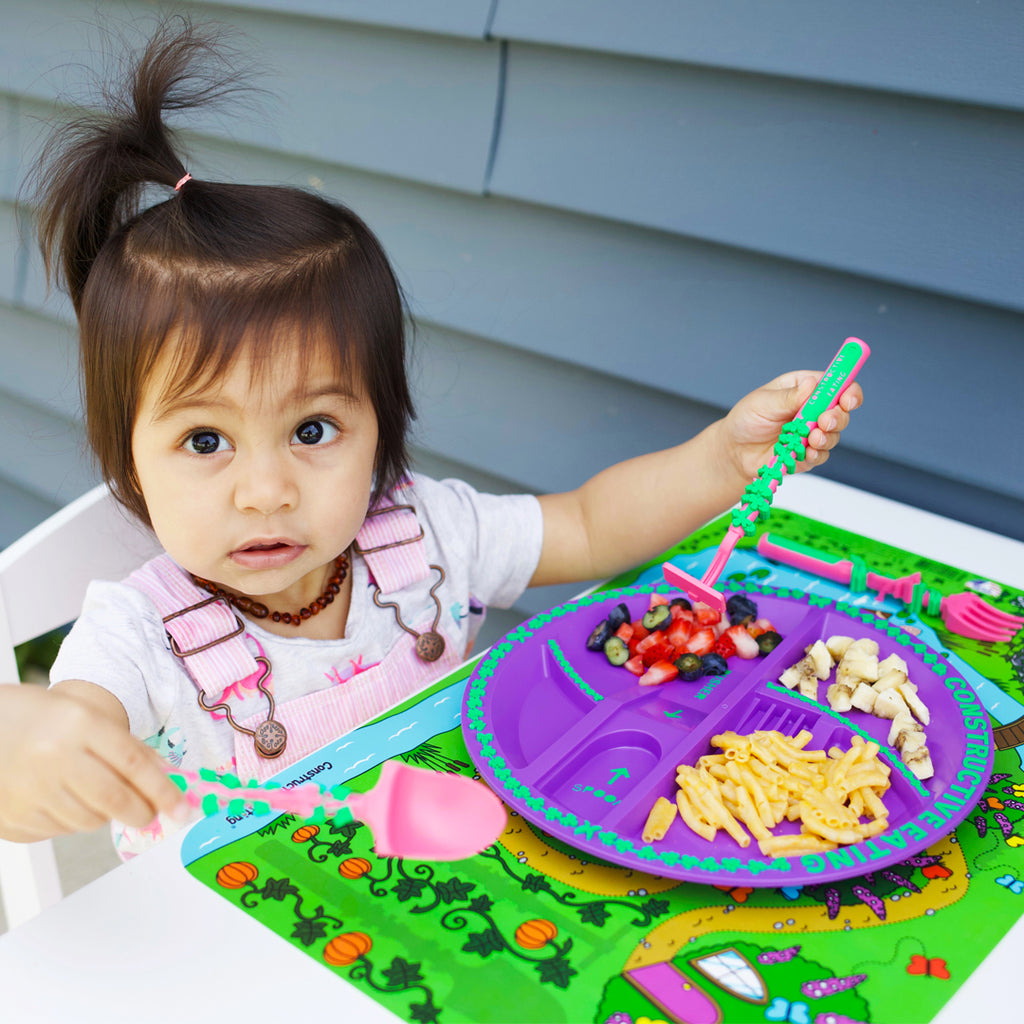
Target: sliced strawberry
(679,613)
(657,599)
(625,632)
(639,630)
(662,651)
(746,645)
(724,646)
(679,632)
(659,672)
(649,640)
(706,615)
(759,626)
(702,642)
(635,665)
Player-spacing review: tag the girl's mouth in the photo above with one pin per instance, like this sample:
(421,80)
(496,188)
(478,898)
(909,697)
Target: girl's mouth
(267,554)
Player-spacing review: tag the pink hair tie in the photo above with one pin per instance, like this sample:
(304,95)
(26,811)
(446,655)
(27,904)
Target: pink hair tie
(182,180)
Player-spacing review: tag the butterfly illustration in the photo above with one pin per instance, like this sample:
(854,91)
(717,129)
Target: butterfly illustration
(1015,885)
(791,892)
(739,894)
(934,967)
(783,1010)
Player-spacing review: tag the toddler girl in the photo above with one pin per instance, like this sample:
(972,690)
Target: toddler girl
(243,356)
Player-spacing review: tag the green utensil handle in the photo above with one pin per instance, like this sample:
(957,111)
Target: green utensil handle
(792,442)
(837,377)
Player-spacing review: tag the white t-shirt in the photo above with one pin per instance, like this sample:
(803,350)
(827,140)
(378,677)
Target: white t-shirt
(488,546)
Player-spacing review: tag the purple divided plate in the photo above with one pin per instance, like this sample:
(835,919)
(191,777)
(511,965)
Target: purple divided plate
(576,746)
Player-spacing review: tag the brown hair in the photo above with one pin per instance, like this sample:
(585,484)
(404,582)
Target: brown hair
(218,266)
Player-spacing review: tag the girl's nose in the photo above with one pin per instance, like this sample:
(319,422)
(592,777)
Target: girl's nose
(265,484)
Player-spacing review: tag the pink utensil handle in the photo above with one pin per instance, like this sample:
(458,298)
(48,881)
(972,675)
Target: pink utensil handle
(302,800)
(800,557)
(839,570)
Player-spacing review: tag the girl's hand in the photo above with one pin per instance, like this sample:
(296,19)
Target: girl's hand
(68,764)
(752,426)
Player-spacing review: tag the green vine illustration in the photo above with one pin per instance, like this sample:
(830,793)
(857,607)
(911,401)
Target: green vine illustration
(309,927)
(318,849)
(402,976)
(594,912)
(554,968)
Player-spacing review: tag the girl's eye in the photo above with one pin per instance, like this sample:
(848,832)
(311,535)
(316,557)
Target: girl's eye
(316,432)
(205,442)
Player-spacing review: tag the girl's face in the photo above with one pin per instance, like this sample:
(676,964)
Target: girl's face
(257,485)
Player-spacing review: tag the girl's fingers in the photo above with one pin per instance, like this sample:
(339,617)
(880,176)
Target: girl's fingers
(99,793)
(73,814)
(138,787)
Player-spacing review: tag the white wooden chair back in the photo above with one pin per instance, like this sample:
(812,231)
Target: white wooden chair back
(43,578)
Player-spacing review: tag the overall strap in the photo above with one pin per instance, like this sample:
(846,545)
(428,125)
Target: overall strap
(204,631)
(208,635)
(391,543)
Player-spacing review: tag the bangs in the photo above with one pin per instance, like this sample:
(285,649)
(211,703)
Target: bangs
(206,339)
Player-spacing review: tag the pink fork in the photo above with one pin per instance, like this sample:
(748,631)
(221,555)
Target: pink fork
(965,614)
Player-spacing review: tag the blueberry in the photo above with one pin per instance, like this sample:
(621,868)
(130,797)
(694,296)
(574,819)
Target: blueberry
(690,667)
(741,609)
(602,631)
(714,664)
(657,618)
(767,642)
(616,651)
(618,615)
(682,602)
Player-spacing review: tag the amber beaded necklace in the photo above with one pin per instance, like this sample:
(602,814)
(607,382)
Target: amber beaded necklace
(258,610)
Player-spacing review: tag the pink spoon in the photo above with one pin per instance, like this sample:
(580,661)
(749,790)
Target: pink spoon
(412,812)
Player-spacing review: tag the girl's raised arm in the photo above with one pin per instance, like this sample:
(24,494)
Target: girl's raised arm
(634,510)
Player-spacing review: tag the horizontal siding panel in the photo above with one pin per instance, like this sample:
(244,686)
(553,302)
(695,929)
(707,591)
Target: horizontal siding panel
(986,508)
(942,48)
(46,456)
(450,17)
(11,148)
(546,424)
(20,511)
(40,361)
(549,426)
(12,254)
(701,322)
(912,191)
(397,103)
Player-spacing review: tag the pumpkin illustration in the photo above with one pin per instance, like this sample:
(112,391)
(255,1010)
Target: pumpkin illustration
(534,934)
(354,867)
(304,834)
(235,875)
(347,948)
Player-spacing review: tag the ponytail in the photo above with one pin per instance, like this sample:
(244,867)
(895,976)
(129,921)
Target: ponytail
(93,171)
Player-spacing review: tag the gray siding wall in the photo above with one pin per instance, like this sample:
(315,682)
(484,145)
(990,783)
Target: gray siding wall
(612,220)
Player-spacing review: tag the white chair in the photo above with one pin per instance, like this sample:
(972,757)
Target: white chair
(43,577)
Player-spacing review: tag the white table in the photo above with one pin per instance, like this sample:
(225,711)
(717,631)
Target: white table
(149,935)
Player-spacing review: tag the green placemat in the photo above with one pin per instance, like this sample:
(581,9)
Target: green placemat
(528,931)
